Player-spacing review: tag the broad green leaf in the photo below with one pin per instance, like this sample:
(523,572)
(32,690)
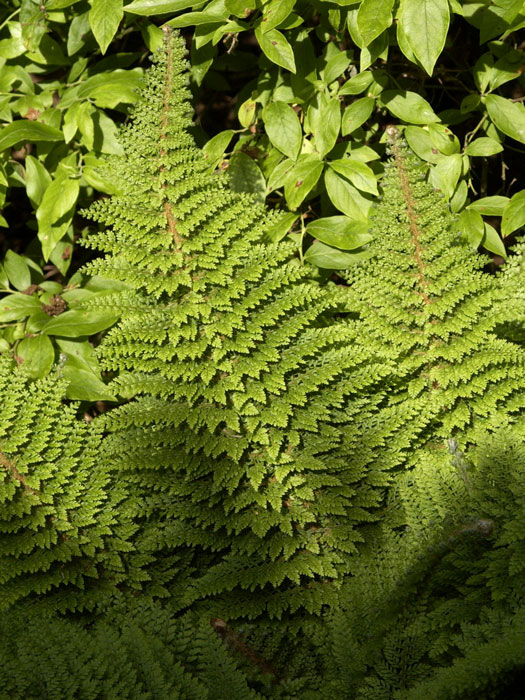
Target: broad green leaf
(24,130)
(159,7)
(279,230)
(246,176)
(38,355)
(356,114)
(443,139)
(153,36)
(322,255)
(459,197)
(70,125)
(55,212)
(85,385)
(424,26)
(279,174)
(336,66)
(274,13)
(373,17)
(507,68)
(492,241)
(4,280)
(33,21)
(340,232)
(246,112)
(94,173)
(483,147)
(513,214)
(79,31)
(215,148)
(482,71)
(284,130)
(17,270)
(78,322)
(37,180)
(79,353)
(359,174)
(15,307)
(302,179)
(105,139)
(345,197)
(472,225)
(104,20)
(276,48)
(357,84)
(445,174)
(377,49)
(490,206)
(194,19)
(508,116)
(324,119)
(408,106)
(420,142)
(109,89)
(240,7)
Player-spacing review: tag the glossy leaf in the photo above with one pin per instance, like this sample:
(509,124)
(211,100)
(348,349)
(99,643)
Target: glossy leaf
(345,197)
(490,206)
(146,8)
(17,270)
(483,147)
(356,114)
(104,20)
(472,225)
(492,241)
(340,232)
(408,106)
(246,176)
(358,84)
(322,255)
(85,385)
(283,128)
(279,230)
(324,118)
(37,179)
(275,12)
(55,211)
(215,148)
(38,355)
(276,48)
(302,179)
(359,174)
(79,322)
(15,307)
(513,214)
(25,130)
(373,17)
(508,116)
(446,174)
(424,26)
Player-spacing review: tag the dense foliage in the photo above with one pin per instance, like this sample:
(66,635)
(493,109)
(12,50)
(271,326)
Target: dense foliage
(304,483)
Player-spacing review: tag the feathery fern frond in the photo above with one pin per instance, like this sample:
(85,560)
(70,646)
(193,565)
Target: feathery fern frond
(64,527)
(248,423)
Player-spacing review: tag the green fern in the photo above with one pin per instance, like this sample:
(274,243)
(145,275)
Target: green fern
(247,427)
(65,526)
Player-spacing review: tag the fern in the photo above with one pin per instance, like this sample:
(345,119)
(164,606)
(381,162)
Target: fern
(246,430)
(64,525)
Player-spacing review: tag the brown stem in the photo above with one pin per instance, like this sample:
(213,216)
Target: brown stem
(9,466)
(168,212)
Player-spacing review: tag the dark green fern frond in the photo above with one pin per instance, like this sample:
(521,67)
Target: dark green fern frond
(249,431)
(65,528)
(443,595)
(139,654)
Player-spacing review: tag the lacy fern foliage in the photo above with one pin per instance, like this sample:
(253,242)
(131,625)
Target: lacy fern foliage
(248,417)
